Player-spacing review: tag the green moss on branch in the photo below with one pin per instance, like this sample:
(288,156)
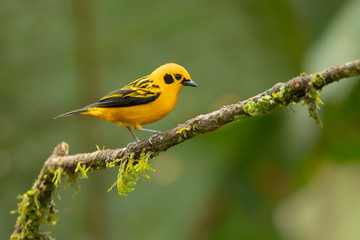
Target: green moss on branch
(129,171)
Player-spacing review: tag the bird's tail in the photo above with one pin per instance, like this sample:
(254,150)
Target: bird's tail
(75,112)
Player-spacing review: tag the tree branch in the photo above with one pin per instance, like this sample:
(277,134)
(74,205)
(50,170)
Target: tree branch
(37,207)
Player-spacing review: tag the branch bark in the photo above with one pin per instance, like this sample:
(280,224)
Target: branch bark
(38,201)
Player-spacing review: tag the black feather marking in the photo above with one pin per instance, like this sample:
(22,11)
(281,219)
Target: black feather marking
(168,79)
(122,92)
(127,101)
(142,83)
(137,82)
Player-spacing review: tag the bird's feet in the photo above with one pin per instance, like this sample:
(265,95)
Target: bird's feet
(152,136)
(130,144)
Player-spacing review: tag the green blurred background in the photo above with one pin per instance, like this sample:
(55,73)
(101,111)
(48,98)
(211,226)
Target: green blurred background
(274,177)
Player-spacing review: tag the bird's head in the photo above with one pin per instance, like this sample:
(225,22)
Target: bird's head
(172,76)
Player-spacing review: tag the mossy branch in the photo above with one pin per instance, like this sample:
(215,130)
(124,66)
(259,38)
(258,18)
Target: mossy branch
(37,207)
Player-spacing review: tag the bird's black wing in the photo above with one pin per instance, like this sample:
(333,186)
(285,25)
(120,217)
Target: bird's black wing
(141,91)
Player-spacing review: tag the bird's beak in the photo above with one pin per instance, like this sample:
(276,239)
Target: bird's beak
(188,83)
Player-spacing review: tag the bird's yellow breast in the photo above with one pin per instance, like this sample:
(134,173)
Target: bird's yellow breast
(139,114)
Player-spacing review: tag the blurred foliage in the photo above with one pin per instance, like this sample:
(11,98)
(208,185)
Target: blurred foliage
(243,181)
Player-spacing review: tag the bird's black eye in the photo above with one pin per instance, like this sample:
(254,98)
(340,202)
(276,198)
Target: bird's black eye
(178,76)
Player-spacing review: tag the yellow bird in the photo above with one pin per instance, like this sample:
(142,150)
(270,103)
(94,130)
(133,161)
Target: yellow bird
(141,102)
